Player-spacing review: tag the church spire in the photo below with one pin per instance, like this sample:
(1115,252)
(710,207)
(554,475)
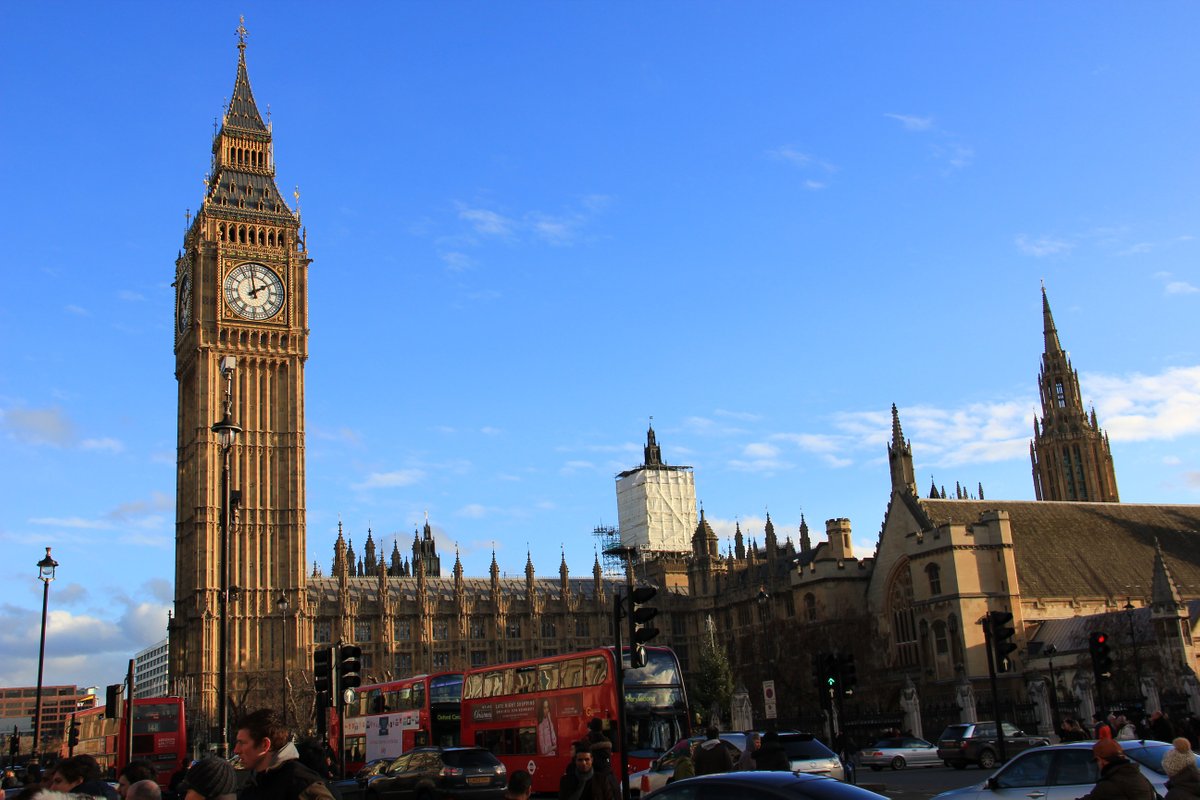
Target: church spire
(900,458)
(1049,332)
(652,452)
(242,112)
(1070,453)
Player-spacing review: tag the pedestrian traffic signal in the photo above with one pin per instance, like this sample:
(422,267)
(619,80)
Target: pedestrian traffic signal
(73,734)
(112,701)
(848,673)
(349,666)
(323,671)
(1101,655)
(1001,624)
(640,631)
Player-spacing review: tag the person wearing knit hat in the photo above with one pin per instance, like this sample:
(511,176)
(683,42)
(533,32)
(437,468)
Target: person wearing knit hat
(1183,778)
(208,779)
(1120,778)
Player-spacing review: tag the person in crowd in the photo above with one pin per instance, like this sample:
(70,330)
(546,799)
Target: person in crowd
(1124,729)
(520,785)
(177,777)
(745,762)
(80,775)
(136,770)
(265,747)
(1120,778)
(599,745)
(685,766)
(210,778)
(584,783)
(147,789)
(1103,730)
(1160,727)
(1183,778)
(771,755)
(712,756)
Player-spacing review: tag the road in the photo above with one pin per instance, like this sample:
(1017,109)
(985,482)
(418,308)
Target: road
(919,783)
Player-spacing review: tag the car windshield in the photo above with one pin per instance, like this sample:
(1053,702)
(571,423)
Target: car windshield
(1150,755)
(883,743)
(469,758)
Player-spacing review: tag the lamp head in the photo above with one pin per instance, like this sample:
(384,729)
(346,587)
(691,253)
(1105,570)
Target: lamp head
(46,567)
(282,603)
(227,365)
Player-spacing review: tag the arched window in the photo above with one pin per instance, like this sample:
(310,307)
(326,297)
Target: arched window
(270,238)
(810,607)
(899,609)
(934,572)
(242,234)
(221,231)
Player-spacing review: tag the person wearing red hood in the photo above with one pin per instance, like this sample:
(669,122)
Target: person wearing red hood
(1120,778)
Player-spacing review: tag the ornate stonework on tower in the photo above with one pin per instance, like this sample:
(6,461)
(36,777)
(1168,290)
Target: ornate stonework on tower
(241,290)
(1070,453)
(656,503)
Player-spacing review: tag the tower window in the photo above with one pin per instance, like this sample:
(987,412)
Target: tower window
(935,579)
(810,608)
(1060,394)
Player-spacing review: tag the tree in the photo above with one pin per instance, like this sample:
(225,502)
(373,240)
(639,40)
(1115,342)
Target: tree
(713,686)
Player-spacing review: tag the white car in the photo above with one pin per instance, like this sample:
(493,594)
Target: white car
(1060,772)
(898,753)
(662,769)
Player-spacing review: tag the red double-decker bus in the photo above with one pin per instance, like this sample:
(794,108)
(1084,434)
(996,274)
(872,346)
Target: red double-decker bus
(159,736)
(391,718)
(530,713)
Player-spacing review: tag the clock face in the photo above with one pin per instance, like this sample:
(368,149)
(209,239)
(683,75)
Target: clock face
(253,291)
(183,314)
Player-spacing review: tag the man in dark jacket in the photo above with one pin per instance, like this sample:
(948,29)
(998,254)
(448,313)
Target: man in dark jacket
(265,747)
(584,783)
(712,756)
(771,756)
(1120,778)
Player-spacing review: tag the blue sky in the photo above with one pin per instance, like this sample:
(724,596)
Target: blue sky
(535,225)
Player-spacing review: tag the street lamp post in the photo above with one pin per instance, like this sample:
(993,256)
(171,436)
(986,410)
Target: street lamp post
(46,569)
(1137,658)
(282,605)
(227,432)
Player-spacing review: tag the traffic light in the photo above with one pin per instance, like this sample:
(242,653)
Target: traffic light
(323,671)
(112,701)
(640,631)
(829,671)
(848,673)
(1002,634)
(1101,656)
(14,744)
(73,734)
(818,670)
(349,666)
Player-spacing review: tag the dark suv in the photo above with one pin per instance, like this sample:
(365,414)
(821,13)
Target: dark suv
(975,743)
(433,773)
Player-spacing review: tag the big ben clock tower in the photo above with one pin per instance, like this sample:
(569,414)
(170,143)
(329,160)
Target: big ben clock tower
(241,299)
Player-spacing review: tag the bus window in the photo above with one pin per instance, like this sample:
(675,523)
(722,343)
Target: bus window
(493,684)
(526,678)
(597,670)
(474,687)
(446,689)
(548,677)
(573,672)
(418,695)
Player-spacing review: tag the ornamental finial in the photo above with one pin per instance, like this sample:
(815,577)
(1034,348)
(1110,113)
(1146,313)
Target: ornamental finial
(242,33)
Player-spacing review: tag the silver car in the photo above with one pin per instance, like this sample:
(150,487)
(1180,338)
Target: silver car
(898,753)
(662,769)
(1060,772)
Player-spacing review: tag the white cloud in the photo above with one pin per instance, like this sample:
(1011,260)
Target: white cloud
(456,261)
(388,480)
(1140,407)
(78,311)
(574,466)
(106,444)
(800,159)
(760,450)
(40,426)
(1180,287)
(486,222)
(72,522)
(130,296)
(472,511)
(1042,246)
(911,122)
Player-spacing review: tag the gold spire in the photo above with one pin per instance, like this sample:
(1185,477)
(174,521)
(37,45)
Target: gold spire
(242,33)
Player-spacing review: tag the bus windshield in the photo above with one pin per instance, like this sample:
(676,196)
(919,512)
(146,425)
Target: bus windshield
(660,670)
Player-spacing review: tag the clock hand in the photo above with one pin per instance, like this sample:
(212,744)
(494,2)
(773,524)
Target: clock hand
(253,288)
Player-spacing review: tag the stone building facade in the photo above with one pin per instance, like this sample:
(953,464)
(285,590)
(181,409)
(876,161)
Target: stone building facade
(908,611)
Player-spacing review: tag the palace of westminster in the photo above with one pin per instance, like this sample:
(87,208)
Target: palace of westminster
(909,611)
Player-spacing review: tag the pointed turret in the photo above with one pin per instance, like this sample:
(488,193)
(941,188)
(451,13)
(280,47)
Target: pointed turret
(339,553)
(369,562)
(770,543)
(458,575)
(739,544)
(397,564)
(805,542)
(1070,454)
(653,455)
(900,459)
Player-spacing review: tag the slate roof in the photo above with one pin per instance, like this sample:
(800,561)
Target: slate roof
(1089,549)
(1070,635)
(243,112)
